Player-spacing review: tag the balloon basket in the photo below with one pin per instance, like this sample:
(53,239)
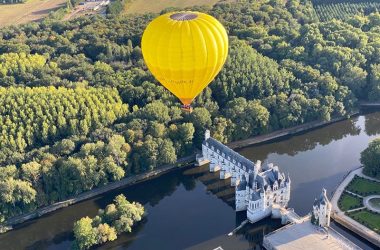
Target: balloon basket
(187,108)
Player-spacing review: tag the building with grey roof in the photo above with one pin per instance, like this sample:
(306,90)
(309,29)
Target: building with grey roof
(258,188)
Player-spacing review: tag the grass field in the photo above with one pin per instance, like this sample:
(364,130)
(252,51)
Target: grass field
(347,202)
(367,218)
(155,6)
(363,186)
(32,10)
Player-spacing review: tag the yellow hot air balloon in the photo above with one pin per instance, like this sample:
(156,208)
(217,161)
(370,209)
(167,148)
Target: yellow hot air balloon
(185,51)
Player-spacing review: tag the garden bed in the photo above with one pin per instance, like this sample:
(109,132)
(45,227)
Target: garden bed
(363,186)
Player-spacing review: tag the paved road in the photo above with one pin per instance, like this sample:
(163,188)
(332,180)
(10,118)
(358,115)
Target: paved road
(338,192)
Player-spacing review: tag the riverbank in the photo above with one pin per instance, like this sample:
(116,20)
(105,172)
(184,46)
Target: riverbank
(315,159)
(10,223)
(285,132)
(340,217)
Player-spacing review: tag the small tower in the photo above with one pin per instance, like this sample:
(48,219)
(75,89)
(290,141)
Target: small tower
(321,210)
(207,134)
(241,195)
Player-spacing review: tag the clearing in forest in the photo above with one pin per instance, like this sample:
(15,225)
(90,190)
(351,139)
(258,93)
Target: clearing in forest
(32,10)
(155,6)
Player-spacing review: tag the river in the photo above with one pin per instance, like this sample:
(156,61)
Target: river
(192,208)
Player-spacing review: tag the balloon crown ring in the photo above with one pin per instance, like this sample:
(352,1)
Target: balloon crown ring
(183,16)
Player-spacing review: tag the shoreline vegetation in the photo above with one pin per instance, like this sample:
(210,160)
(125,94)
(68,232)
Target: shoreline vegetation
(10,223)
(182,162)
(116,218)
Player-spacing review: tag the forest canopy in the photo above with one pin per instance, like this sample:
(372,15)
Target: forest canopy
(79,109)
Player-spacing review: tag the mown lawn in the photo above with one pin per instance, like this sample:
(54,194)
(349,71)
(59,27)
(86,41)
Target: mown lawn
(363,186)
(367,218)
(347,202)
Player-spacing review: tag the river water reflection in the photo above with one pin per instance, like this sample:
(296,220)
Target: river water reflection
(192,208)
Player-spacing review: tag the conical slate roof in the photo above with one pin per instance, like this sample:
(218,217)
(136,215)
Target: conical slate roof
(243,184)
(256,196)
(322,200)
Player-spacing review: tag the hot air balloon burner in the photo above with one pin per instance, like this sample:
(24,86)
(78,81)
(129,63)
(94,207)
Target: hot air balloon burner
(187,108)
(183,16)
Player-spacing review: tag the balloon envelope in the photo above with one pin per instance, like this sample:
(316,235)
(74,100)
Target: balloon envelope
(185,51)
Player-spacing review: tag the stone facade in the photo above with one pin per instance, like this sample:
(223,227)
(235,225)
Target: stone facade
(257,189)
(321,210)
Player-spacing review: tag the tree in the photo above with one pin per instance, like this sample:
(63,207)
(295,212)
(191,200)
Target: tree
(16,196)
(118,149)
(114,171)
(370,159)
(64,147)
(155,111)
(8,172)
(374,83)
(167,153)
(85,235)
(31,172)
(116,218)
(105,233)
(222,130)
